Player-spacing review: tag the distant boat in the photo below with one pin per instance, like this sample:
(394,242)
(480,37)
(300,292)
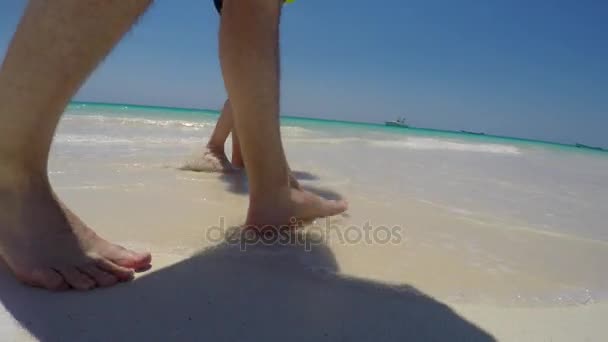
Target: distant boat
(590,147)
(474,133)
(400,122)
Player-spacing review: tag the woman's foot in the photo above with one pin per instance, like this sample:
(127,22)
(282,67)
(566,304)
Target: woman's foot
(290,206)
(212,160)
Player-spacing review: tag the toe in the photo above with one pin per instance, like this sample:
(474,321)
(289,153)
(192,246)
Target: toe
(331,208)
(45,278)
(76,278)
(138,260)
(101,277)
(127,258)
(121,273)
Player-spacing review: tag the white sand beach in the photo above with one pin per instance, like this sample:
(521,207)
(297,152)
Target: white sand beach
(494,240)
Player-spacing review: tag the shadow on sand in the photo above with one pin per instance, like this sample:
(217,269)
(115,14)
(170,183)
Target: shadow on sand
(304,175)
(236,182)
(267,293)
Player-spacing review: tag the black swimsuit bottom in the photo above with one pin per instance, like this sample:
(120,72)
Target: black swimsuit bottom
(218,5)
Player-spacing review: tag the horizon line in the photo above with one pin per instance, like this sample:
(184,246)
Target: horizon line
(362,123)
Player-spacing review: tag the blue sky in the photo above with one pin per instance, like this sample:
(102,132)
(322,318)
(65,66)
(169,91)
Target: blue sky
(534,69)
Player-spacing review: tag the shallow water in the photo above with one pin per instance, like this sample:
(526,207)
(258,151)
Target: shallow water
(483,218)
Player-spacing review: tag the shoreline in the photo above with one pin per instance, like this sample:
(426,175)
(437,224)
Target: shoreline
(456,132)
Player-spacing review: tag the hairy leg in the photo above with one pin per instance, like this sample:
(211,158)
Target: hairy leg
(57,45)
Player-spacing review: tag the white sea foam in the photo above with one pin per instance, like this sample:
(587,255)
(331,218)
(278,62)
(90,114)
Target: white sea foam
(140,121)
(415,144)
(291,133)
(440,144)
(330,141)
(295,132)
(93,139)
(90,139)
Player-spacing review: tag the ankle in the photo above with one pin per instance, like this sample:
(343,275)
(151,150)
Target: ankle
(17,174)
(270,206)
(215,148)
(238,162)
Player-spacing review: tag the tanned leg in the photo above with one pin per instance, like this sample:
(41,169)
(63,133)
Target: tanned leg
(249,53)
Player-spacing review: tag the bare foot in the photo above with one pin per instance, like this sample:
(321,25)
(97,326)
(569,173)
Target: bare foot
(237,161)
(46,245)
(293,203)
(212,160)
(309,206)
(293,182)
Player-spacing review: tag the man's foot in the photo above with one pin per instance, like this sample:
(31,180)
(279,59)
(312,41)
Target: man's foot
(295,204)
(46,245)
(212,160)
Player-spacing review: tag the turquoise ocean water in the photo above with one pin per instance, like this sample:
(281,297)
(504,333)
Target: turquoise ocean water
(170,113)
